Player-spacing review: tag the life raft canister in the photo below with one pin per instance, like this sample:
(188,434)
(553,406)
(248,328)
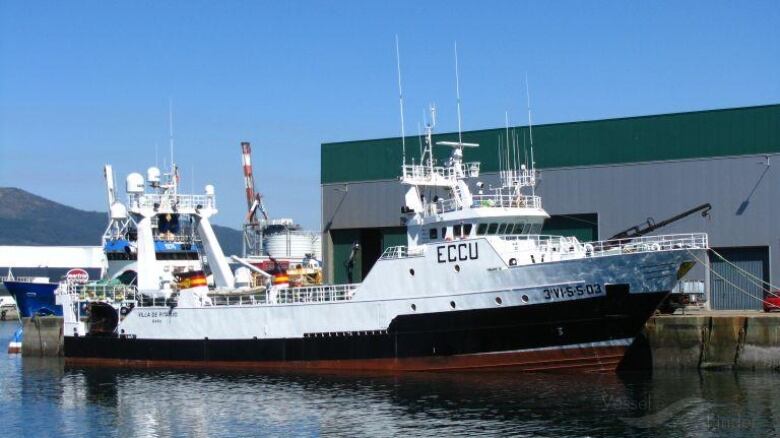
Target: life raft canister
(281,279)
(191,279)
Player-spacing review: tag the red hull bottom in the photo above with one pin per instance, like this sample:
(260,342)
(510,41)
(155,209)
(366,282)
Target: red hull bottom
(578,359)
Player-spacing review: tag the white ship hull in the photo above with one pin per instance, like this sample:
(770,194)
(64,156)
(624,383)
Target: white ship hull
(580,313)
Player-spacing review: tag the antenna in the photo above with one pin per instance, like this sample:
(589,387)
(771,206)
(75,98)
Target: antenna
(530,124)
(457,91)
(419,137)
(400,98)
(500,152)
(170,127)
(506,124)
(530,136)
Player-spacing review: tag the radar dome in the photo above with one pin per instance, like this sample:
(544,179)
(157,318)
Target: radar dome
(209,189)
(153,175)
(135,183)
(118,211)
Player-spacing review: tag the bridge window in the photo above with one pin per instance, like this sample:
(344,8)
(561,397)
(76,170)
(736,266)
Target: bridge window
(527,228)
(481,229)
(433,234)
(492,228)
(501,229)
(443,232)
(467,230)
(536,228)
(518,228)
(457,230)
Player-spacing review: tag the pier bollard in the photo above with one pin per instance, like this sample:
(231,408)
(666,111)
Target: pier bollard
(42,336)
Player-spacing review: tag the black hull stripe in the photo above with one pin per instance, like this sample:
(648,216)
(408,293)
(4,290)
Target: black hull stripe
(433,335)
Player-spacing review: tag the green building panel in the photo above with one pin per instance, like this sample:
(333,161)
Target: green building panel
(585,227)
(701,134)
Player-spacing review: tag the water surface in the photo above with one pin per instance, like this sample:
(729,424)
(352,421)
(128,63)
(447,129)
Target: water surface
(45,398)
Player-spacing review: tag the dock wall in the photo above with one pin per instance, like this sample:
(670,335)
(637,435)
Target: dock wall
(707,341)
(42,336)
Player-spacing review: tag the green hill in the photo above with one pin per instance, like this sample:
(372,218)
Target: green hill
(28,219)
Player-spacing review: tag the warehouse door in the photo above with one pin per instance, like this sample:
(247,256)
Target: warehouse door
(732,289)
(371,247)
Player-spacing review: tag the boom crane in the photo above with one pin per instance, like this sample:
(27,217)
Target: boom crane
(253,229)
(651,225)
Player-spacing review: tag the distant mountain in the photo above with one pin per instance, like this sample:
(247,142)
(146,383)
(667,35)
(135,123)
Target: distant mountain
(27,219)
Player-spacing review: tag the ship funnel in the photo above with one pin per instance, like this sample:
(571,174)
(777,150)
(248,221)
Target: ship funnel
(135,183)
(153,175)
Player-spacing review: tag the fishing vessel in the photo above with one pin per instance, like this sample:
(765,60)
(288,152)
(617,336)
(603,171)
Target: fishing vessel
(176,248)
(477,286)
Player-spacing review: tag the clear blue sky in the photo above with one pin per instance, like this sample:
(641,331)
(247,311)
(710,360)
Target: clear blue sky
(85,83)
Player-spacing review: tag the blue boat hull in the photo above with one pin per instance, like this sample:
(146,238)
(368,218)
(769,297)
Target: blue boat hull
(34,298)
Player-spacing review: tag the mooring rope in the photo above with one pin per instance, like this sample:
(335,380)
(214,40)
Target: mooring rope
(762,300)
(745,272)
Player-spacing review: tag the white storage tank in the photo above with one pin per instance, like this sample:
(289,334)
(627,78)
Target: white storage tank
(282,238)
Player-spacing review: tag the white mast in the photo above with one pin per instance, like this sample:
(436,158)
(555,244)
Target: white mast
(457,91)
(530,135)
(400,99)
(530,124)
(170,143)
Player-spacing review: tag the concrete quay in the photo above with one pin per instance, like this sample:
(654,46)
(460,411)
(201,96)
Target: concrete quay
(747,340)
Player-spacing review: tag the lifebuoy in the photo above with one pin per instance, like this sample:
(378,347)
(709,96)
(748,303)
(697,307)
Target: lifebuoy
(588,250)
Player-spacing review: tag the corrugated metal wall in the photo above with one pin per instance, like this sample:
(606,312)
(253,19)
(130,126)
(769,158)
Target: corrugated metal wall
(732,289)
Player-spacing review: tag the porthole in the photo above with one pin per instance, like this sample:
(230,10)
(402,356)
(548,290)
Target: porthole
(411,271)
(499,301)
(452,304)
(414,307)
(457,268)
(524,298)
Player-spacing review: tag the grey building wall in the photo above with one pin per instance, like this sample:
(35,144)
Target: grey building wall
(743,191)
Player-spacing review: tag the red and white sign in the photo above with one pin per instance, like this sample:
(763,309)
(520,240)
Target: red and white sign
(77,275)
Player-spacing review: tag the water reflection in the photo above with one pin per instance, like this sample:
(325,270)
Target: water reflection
(52,399)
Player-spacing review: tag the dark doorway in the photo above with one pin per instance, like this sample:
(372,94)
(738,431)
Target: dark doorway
(371,247)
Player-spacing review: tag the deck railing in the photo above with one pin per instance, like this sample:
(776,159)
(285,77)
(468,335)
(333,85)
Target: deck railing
(121,295)
(650,244)
(438,174)
(491,201)
(506,201)
(171,201)
(616,246)
(400,252)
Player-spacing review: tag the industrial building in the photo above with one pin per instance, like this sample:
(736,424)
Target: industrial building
(597,178)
